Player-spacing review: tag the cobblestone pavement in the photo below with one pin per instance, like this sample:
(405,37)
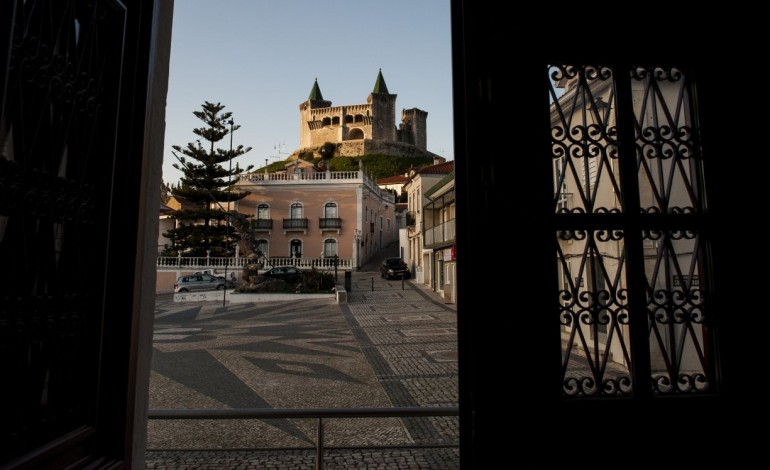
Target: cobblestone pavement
(393,344)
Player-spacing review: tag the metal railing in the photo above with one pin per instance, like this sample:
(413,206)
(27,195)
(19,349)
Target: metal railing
(330,222)
(262,224)
(173,263)
(308,413)
(300,223)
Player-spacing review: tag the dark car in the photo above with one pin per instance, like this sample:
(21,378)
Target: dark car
(290,274)
(201,281)
(394,268)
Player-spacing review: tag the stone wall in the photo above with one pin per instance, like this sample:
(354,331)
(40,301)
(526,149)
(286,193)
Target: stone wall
(357,148)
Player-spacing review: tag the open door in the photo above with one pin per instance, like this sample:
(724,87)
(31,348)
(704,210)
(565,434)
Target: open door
(82,103)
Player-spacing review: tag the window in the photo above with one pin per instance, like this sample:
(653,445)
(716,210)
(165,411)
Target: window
(295,248)
(631,240)
(330,248)
(263,212)
(263,246)
(262,221)
(295,211)
(330,210)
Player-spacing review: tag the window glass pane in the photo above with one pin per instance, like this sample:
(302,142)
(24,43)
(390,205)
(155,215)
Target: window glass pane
(330,248)
(263,212)
(594,313)
(330,211)
(669,163)
(262,246)
(584,139)
(680,356)
(664,306)
(296,211)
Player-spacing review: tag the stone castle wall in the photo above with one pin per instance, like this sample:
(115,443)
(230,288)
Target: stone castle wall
(363,128)
(357,148)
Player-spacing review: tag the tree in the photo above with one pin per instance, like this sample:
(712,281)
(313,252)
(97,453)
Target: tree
(165,192)
(203,224)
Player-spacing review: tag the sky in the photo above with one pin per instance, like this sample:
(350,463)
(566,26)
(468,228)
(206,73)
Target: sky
(259,58)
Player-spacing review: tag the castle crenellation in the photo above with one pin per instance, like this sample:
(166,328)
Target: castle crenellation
(361,129)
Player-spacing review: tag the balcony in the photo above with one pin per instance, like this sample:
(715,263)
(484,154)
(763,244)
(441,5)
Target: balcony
(295,225)
(440,235)
(262,224)
(330,223)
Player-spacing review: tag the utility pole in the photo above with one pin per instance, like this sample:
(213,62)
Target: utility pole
(227,213)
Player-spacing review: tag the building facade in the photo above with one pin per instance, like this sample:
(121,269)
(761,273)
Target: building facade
(317,214)
(417,255)
(438,217)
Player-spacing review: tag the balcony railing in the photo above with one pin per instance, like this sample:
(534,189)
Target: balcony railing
(330,222)
(442,233)
(307,176)
(295,224)
(320,414)
(411,220)
(262,224)
(179,263)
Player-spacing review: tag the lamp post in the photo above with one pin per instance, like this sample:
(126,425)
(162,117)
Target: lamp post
(227,213)
(357,242)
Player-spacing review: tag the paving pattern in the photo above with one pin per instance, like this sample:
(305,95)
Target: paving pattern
(392,344)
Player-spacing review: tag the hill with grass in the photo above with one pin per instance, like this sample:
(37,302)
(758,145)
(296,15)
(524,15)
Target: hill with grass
(377,166)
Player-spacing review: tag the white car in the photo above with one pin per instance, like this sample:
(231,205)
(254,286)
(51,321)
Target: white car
(201,281)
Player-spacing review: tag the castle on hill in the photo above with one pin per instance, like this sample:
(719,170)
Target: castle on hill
(362,129)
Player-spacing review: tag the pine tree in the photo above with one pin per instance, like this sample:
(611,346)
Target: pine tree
(203,225)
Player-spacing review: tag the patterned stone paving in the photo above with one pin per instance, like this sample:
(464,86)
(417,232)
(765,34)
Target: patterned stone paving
(395,345)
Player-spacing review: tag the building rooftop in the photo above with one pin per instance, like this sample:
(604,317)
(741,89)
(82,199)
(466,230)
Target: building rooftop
(393,179)
(438,169)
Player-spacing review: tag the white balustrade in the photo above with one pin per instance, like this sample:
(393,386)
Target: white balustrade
(177,263)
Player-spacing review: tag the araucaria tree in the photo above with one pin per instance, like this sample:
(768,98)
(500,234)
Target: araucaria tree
(203,226)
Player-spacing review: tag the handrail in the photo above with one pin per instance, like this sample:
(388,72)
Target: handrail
(299,413)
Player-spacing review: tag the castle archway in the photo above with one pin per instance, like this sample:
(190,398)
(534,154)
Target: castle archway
(356,134)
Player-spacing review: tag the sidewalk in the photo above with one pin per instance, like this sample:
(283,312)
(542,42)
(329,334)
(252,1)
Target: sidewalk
(393,343)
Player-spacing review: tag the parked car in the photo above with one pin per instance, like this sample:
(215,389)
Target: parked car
(290,274)
(394,268)
(202,281)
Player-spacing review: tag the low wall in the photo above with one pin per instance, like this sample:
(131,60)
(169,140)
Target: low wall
(339,294)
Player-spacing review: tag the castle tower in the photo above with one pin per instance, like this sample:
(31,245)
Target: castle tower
(383,105)
(414,128)
(307,122)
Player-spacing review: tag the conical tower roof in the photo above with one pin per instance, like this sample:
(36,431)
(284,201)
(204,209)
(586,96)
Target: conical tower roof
(379,85)
(315,92)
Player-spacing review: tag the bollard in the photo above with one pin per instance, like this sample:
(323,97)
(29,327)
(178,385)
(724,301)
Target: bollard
(402,282)
(319,449)
(372,284)
(348,280)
